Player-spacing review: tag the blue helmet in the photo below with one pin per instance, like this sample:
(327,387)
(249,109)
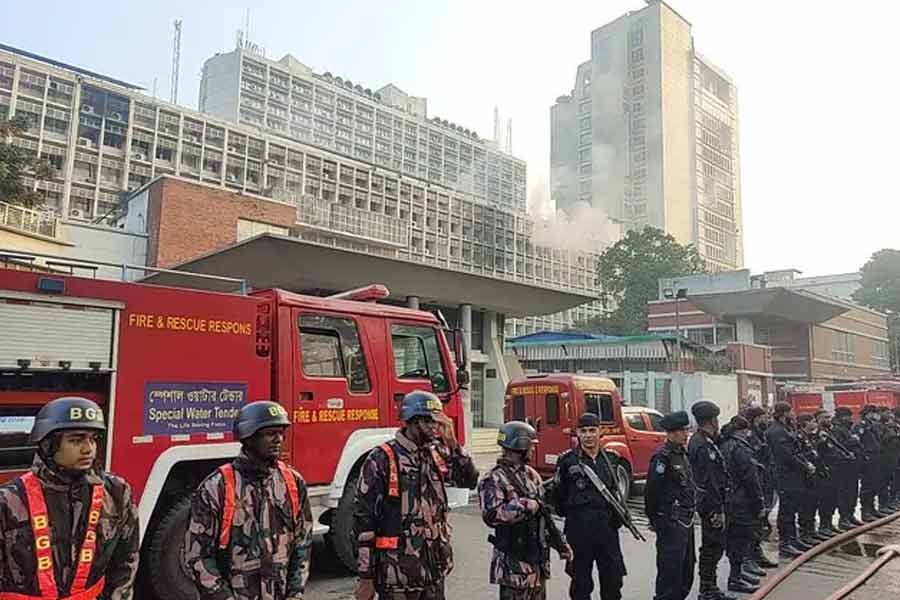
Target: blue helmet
(420,404)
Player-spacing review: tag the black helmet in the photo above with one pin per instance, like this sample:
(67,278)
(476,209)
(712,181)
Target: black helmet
(419,404)
(516,435)
(70,412)
(259,415)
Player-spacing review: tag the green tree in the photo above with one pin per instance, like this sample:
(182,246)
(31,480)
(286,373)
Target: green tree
(15,163)
(629,272)
(881,282)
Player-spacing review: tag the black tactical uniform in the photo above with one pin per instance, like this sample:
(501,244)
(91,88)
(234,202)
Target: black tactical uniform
(870,441)
(713,483)
(890,452)
(790,478)
(670,501)
(835,459)
(745,503)
(592,526)
(895,476)
(755,415)
(847,475)
(806,450)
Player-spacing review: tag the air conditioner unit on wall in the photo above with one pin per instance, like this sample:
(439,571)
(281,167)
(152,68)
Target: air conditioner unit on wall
(87,108)
(85,142)
(115,116)
(138,156)
(76,212)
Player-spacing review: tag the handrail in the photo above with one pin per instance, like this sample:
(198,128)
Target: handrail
(125,267)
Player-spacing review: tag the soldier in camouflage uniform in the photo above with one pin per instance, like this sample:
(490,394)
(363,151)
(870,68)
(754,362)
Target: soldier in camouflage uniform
(510,498)
(250,528)
(68,528)
(401,516)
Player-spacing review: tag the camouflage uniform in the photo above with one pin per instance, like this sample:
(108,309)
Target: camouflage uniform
(416,568)
(501,506)
(68,499)
(268,553)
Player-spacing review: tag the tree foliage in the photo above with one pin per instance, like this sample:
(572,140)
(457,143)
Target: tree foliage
(881,282)
(629,272)
(16,163)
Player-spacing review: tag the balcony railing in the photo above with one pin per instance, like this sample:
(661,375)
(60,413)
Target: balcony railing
(28,221)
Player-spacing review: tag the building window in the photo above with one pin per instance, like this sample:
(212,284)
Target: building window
(880,354)
(842,347)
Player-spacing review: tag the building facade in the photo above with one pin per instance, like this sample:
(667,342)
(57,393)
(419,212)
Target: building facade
(105,138)
(387,128)
(814,337)
(649,133)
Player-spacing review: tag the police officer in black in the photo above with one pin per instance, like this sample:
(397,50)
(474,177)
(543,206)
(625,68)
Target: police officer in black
(713,482)
(592,526)
(835,457)
(670,502)
(870,440)
(890,453)
(759,422)
(745,503)
(847,475)
(791,472)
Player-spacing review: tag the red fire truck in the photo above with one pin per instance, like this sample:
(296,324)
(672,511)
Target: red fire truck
(171,367)
(853,395)
(552,404)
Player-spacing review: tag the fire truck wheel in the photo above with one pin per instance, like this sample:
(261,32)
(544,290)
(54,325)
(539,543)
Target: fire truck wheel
(623,474)
(340,534)
(168,577)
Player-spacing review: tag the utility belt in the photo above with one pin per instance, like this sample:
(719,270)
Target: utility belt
(524,541)
(680,514)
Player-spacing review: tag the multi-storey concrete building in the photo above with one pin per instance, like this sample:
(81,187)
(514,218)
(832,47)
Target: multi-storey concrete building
(650,134)
(387,128)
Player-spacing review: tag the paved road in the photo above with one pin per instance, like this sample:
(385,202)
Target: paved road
(473,554)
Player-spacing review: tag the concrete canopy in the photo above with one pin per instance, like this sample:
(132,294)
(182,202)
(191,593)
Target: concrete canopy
(272,261)
(782,303)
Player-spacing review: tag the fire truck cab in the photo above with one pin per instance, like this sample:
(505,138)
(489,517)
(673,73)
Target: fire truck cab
(172,366)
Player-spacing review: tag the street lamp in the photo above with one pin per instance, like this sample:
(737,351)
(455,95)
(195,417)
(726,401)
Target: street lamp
(678,295)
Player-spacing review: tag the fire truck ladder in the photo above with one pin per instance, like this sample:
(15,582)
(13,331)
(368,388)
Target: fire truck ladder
(55,265)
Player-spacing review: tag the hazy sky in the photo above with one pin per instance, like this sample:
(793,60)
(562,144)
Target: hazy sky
(818,85)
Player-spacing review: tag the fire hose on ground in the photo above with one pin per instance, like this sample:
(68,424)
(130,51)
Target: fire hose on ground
(887,553)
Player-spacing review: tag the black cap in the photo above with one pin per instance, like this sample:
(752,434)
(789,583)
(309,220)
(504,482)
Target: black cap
(738,423)
(782,408)
(259,415)
(868,408)
(675,421)
(843,411)
(589,420)
(516,435)
(822,413)
(68,412)
(751,412)
(705,410)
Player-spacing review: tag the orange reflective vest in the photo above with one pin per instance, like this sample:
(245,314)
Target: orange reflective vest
(230,496)
(43,547)
(391,519)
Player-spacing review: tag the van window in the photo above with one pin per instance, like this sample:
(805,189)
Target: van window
(601,405)
(551,409)
(518,408)
(417,355)
(15,426)
(636,421)
(330,347)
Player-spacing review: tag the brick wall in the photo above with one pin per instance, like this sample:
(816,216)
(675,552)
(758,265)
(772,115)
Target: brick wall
(186,220)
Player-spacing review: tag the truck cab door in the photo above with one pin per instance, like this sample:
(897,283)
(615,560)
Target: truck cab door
(417,362)
(642,442)
(334,389)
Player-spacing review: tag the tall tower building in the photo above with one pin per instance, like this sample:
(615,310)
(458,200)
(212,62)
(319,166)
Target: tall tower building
(649,133)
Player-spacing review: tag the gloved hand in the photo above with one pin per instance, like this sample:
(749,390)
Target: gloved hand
(530,505)
(717,520)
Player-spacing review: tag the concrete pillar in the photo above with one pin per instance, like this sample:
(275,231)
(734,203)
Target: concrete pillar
(465,323)
(413,302)
(743,330)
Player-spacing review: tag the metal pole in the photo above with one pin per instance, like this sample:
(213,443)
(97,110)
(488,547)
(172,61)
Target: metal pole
(677,335)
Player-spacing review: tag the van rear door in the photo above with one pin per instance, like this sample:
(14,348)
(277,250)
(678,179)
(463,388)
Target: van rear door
(543,406)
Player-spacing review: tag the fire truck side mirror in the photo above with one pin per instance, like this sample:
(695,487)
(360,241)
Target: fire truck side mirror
(462,377)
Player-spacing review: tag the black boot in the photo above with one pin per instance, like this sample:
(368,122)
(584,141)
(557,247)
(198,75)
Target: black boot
(869,516)
(752,568)
(826,533)
(856,522)
(789,551)
(742,586)
(845,525)
(764,561)
(749,578)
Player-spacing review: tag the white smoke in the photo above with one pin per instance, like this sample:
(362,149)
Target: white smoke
(582,227)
